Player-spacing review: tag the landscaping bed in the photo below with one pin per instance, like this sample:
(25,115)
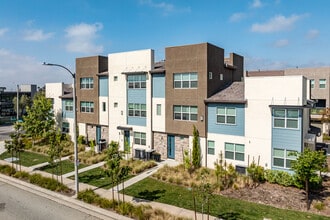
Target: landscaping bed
(27,158)
(67,167)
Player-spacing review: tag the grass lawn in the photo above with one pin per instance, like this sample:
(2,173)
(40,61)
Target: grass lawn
(220,206)
(27,158)
(96,177)
(67,167)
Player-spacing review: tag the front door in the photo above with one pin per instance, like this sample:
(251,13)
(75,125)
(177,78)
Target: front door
(171,146)
(126,141)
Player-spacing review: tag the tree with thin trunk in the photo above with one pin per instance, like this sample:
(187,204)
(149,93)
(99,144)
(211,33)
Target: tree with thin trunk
(123,174)
(23,102)
(307,166)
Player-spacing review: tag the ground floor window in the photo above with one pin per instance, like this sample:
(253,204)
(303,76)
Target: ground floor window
(283,158)
(140,138)
(234,151)
(65,127)
(210,147)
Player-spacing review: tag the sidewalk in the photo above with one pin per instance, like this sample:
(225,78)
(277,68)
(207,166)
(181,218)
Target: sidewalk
(176,211)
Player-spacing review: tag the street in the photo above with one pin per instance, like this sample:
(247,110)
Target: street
(16,204)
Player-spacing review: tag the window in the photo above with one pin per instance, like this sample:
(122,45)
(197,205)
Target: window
(115,78)
(185,113)
(283,158)
(140,138)
(104,106)
(312,81)
(234,151)
(65,127)
(210,75)
(210,147)
(136,81)
(221,76)
(115,104)
(226,115)
(322,83)
(86,83)
(68,105)
(286,118)
(159,109)
(185,80)
(137,110)
(87,106)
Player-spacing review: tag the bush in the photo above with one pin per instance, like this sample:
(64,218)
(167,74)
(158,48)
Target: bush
(125,208)
(22,175)
(81,140)
(7,170)
(88,196)
(319,206)
(280,177)
(48,183)
(256,173)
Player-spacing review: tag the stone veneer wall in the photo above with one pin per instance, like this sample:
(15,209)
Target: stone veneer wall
(181,144)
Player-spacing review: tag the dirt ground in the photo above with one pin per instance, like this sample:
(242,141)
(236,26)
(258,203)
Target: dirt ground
(285,197)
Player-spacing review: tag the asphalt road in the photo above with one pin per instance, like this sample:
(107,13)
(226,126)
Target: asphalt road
(16,203)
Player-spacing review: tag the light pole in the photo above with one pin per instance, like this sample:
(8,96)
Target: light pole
(76,160)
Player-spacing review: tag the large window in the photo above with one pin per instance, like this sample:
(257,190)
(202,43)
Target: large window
(86,83)
(140,138)
(65,127)
(137,110)
(234,151)
(68,105)
(185,113)
(136,81)
(286,118)
(185,80)
(226,115)
(322,83)
(210,147)
(283,158)
(87,106)
(159,109)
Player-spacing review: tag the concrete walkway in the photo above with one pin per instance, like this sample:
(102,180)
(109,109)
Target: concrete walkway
(176,211)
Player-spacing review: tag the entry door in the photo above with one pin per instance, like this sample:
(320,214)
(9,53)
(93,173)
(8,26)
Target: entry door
(98,134)
(170,146)
(126,141)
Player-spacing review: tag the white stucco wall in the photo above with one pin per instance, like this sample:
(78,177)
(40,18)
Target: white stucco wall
(158,121)
(103,115)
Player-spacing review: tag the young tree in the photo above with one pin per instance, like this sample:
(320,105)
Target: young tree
(196,152)
(16,145)
(306,167)
(123,174)
(23,102)
(55,151)
(39,118)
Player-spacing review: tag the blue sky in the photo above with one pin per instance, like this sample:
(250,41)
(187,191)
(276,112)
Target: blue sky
(270,34)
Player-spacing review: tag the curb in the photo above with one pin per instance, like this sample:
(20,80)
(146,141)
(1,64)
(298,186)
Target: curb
(65,200)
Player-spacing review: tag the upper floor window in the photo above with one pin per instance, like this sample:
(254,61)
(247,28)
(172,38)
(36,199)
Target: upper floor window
(87,83)
(104,106)
(137,110)
(87,106)
(159,109)
(312,82)
(68,105)
(322,83)
(65,127)
(136,81)
(283,158)
(140,138)
(234,151)
(185,113)
(185,80)
(226,115)
(210,147)
(286,118)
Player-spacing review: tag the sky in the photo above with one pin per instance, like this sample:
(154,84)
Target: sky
(270,34)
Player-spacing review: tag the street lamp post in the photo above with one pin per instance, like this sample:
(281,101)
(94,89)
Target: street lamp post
(76,160)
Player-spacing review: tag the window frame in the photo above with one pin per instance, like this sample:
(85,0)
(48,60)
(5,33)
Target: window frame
(185,113)
(68,105)
(188,80)
(285,118)
(86,83)
(322,85)
(138,81)
(158,109)
(65,129)
(140,138)
(235,152)
(87,107)
(210,149)
(225,115)
(312,83)
(286,158)
(138,110)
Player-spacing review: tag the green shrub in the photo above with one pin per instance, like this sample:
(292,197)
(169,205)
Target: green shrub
(48,183)
(7,170)
(22,175)
(256,173)
(280,177)
(319,206)
(125,208)
(89,196)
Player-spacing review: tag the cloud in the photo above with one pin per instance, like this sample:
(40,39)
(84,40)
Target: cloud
(3,31)
(311,34)
(81,38)
(237,17)
(256,4)
(17,69)
(277,23)
(166,7)
(281,43)
(36,35)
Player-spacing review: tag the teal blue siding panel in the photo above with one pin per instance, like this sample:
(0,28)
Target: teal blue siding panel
(103,86)
(213,127)
(139,121)
(137,96)
(158,85)
(66,114)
